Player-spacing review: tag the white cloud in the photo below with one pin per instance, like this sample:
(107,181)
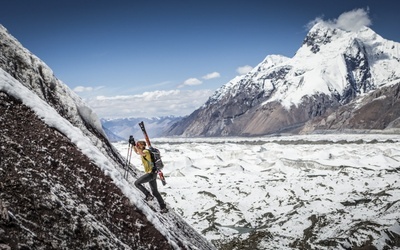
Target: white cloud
(244,69)
(349,21)
(353,20)
(149,104)
(314,22)
(194,81)
(80,89)
(211,76)
(190,82)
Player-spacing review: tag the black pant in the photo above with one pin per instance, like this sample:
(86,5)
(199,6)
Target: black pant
(151,178)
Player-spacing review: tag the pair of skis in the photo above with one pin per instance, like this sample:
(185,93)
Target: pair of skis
(133,143)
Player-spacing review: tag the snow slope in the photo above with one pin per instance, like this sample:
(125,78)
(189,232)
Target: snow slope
(164,223)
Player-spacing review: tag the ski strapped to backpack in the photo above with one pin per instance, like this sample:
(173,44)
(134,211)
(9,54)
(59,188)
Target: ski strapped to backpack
(155,154)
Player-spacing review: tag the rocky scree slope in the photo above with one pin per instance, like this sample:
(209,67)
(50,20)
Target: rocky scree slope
(54,197)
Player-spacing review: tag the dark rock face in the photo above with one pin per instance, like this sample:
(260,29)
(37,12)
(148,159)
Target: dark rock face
(314,40)
(358,72)
(378,110)
(54,197)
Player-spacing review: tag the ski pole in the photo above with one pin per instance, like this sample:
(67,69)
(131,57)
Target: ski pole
(131,143)
(126,165)
(126,162)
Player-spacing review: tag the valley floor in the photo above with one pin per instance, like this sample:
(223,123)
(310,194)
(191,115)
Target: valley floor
(303,192)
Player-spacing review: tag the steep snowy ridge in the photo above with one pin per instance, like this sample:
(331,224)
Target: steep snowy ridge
(38,77)
(332,68)
(54,154)
(33,73)
(232,88)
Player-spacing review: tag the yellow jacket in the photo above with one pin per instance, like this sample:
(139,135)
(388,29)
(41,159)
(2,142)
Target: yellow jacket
(146,160)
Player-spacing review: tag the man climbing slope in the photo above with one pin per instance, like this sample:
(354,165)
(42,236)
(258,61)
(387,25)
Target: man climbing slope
(150,176)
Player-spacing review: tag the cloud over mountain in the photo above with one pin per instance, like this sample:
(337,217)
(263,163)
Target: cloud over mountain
(349,21)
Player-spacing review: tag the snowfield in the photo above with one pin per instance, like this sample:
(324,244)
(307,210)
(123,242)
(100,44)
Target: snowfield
(332,190)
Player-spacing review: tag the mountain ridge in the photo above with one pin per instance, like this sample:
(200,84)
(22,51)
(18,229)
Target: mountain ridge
(330,69)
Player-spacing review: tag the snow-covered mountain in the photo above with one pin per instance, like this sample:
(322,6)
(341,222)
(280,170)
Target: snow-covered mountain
(120,129)
(333,68)
(61,180)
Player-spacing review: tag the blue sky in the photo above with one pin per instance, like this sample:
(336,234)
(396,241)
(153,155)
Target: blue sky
(155,58)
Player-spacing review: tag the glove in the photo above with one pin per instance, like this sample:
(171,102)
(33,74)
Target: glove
(132,140)
(154,170)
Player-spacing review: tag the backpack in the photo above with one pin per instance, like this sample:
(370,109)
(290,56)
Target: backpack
(156,158)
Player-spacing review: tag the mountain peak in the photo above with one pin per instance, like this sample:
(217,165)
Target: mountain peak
(321,34)
(335,64)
